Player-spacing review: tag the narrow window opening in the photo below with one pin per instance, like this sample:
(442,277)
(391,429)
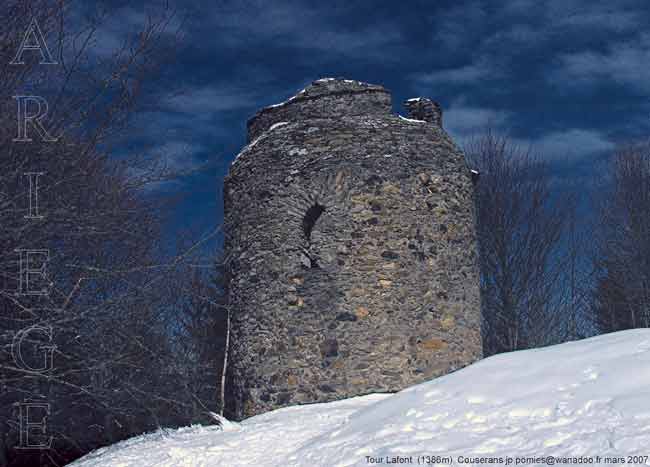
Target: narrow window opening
(308,222)
(310,219)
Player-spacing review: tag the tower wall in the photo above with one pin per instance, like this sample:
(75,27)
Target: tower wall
(352,251)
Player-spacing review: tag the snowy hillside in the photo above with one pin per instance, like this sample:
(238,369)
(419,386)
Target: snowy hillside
(587,398)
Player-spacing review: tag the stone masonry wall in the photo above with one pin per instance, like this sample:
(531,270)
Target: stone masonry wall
(327,98)
(352,251)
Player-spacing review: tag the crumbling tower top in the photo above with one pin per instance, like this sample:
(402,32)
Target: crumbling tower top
(421,108)
(324,98)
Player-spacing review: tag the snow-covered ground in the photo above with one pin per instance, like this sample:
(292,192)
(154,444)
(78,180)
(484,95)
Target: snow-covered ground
(589,398)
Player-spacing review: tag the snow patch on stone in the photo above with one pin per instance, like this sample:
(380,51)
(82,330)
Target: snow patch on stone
(252,144)
(412,120)
(277,125)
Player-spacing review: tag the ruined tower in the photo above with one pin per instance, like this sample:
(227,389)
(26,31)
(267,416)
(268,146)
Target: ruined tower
(351,246)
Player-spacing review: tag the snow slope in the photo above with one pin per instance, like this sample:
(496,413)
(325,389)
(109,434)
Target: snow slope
(586,398)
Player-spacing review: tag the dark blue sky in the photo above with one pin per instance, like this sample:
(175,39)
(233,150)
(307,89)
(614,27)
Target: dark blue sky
(571,77)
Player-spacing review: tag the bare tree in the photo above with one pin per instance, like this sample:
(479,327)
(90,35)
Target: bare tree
(575,297)
(198,297)
(622,293)
(106,316)
(520,222)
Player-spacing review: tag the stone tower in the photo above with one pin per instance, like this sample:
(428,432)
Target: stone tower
(352,256)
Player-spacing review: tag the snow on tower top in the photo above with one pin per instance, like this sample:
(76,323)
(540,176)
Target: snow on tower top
(420,108)
(324,98)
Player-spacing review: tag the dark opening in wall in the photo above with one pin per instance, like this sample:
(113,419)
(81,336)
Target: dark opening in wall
(310,219)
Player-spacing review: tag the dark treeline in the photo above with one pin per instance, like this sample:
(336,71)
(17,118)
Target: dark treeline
(622,289)
(519,227)
(101,335)
(550,272)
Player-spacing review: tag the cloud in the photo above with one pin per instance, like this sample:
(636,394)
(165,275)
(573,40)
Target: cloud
(309,27)
(119,27)
(209,99)
(496,31)
(170,161)
(601,15)
(465,121)
(492,39)
(558,14)
(367,43)
(571,144)
(240,21)
(455,28)
(623,63)
(610,20)
(462,75)
(178,155)
(519,7)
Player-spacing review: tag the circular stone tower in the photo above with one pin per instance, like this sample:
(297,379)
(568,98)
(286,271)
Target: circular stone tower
(351,250)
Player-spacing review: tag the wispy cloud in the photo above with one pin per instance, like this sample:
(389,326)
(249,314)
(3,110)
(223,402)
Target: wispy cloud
(301,26)
(498,30)
(623,63)
(206,99)
(554,15)
(162,167)
(368,43)
(602,15)
(463,121)
(117,28)
(462,75)
(178,156)
(455,27)
(572,144)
